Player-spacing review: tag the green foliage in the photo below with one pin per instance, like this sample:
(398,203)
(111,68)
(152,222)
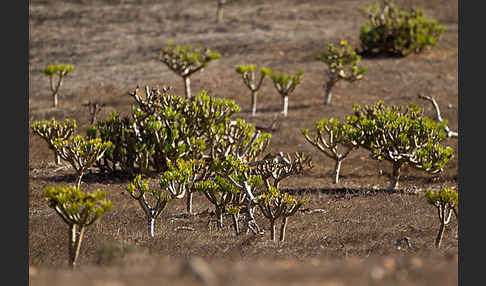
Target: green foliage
(329,133)
(53,130)
(78,209)
(51,70)
(398,32)
(76,206)
(330,136)
(139,188)
(185,60)
(248,69)
(443,197)
(221,193)
(286,83)
(229,186)
(274,205)
(250,81)
(445,201)
(343,62)
(265,71)
(166,127)
(400,135)
(245,69)
(394,134)
(80,152)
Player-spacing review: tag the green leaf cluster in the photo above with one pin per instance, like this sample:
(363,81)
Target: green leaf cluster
(82,153)
(445,196)
(396,31)
(400,135)
(164,127)
(51,70)
(244,69)
(185,60)
(275,204)
(76,206)
(329,134)
(343,62)
(52,130)
(286,83)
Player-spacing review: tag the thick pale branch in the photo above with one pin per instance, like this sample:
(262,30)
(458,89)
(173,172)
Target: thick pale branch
(450,133)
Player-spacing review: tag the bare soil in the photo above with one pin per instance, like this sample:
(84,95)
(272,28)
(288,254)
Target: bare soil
(348,233)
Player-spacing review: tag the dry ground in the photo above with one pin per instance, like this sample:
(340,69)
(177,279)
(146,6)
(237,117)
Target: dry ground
(114,47)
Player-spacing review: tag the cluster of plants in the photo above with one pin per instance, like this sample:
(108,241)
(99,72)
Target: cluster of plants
(400,135)
(190,145)
(195,144)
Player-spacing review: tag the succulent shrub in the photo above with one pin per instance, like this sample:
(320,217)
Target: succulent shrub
(401,136)
(332,138)
(278,166)
(229,188)
(164,127)
(343,64)
(173,185)
(157,131)
(248,75)
(398,32)
(82,153)
(274,205)
(186,60)
(61,71)
(78,209)
(53,130)
(285,85)
(446,202)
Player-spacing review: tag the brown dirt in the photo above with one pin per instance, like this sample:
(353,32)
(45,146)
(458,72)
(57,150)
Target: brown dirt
(114,47)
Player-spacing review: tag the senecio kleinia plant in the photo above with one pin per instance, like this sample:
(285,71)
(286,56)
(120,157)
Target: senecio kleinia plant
(274,205)
(397,32)
(164,127)
(343,64)
(61,71)
(53,130)
(186,60)
(229,188)
(78,209)
(82,153)
(446,201)
(278,166)
(249,79)
(400,136)
(332,138)
(285,85)
(173,185)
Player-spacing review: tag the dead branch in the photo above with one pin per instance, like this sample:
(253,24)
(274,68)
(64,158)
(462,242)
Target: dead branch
(94,108)
(450,133)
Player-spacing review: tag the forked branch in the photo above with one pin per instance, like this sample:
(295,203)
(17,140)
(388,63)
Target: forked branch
(450,133)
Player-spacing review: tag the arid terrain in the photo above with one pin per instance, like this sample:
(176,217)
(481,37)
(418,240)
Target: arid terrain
(348,234)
